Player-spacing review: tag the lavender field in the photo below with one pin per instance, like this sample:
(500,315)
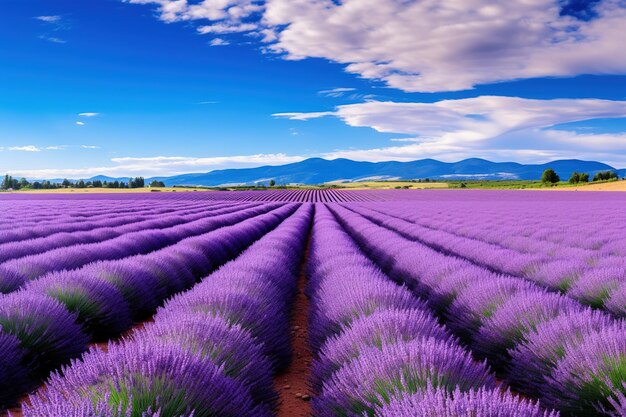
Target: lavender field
(403,303)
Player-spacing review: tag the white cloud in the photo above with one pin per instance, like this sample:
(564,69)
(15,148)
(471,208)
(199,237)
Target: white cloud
(27,148)
(90,147)
(161,166)
(218,42)
(428,45)
(469,119)
(500,128)
(80,123)
(49,19)
(223,28)
(55,148)
(88,114)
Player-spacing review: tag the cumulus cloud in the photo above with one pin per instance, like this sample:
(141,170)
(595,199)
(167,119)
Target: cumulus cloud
(428,45)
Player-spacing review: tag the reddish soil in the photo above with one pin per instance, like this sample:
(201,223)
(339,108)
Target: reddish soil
(292,384)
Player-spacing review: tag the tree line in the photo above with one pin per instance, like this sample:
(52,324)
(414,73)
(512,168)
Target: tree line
(551,177)
(10,183)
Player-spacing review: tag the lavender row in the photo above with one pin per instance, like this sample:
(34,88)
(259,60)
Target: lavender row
(33,213)
(600,286)
(107,218)
(380,351)
(518,226)
(211,351)
(68,212)
(14,273)
(53,320)
(133,223)
(544,344)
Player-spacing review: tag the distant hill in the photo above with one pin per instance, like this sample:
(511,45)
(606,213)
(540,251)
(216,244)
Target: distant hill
(318,171)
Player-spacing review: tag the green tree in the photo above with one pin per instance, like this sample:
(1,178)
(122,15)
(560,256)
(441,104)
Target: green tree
(7,182)
(605,176)
(584,177)
(81,184)
(66,183)
(137,182)
(272,183)
(157,184)
(575,178)
(23,183)
(550,176)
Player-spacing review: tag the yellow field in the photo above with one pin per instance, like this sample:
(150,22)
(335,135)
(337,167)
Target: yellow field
(604,186)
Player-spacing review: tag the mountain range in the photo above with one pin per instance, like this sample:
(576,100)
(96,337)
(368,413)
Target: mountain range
(318,171)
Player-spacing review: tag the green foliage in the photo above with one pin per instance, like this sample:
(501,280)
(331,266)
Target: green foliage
(605,176)
(550,176)
(156,184)
(137,182)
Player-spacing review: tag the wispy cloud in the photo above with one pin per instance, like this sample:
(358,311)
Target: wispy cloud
(208,102)
(502,128)
(52,39)
(27,148)
(88,114)
(54,23)
(336,92)
(56,147)
(90,146)
(80,123)
(161,166)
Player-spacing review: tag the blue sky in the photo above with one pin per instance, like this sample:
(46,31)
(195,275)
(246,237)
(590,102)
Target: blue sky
(160,87)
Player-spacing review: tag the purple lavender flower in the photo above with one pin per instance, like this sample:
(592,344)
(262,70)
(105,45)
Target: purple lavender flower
(591,375)
(480,403)
(379,375)
(381,328)
(137,285)
(511,322)
(230,347)
(10,280)
(98,303)
(535,359)
(142,377)
(479,302)
(12,372)
(340,302)
(48,333)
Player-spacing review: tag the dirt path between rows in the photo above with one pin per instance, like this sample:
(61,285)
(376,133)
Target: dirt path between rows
(292,384)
